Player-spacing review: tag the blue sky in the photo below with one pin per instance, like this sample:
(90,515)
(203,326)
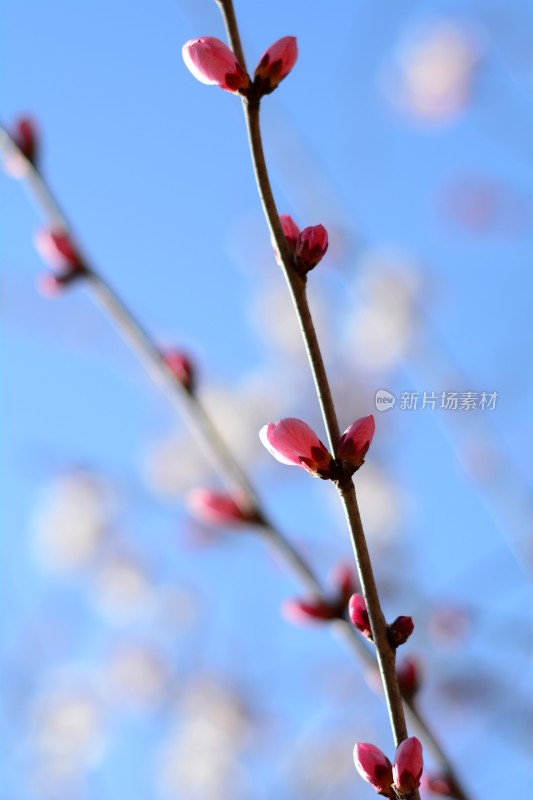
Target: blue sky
(427,197)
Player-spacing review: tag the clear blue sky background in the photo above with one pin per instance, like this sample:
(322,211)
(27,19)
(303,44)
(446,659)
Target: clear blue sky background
(152,170)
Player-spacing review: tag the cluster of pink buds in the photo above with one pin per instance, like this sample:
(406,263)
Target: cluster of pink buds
(57,249)
(212,62)
(24,135)
(399,779)
(219,509)
(292,441)
(306,247)
(182,368)
(320,610)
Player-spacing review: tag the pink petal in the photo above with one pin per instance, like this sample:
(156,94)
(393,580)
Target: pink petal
(213,63)
(311,247)
(359,615)
(374,767)
(408,765)
(264,434)
(307,611)
(276,62)
(292,441)
(356,440)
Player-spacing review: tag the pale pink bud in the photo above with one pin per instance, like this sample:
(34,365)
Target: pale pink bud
(181,367)
(217,508)
(400,630)
(305,611)
(292,441)
(58,251)
(374,767)
(359,615)
(356,440)
(24,135)
(212,62)
(276,63)
(408,765)
(439,783)
(311,247)
(408,675)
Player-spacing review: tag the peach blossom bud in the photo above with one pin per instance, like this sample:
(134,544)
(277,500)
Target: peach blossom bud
(356,440)
(374,767)
(24,135)
(57,249)
(439,783)
(408,765)
(343,579)
(311,247)
(276,63)
(291,231)
(181,367)
(217,508)
(400,630)
(359,615)
(292,441)
(408,676)
(212,62)
(305,611)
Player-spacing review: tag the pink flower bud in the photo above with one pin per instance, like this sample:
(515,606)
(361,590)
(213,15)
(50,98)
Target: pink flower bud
(305,611)
(291,231)
(181,367)
(311,247)
(374,767)
(291,441)
(343,579)
(356,440)
(439,783)
(58,251)
(408,675)
(276,63)
(24,135)
(212,62)
(216,508)
(400,630)
(408,765)
(359,615)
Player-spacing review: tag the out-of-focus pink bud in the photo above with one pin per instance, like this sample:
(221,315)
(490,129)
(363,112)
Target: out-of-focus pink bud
(439,783)
(276,63)
(57,249)
(400,630)
(408,765)
(216,508)
(356,440)
(213,63)
(359,615)
(24,134)
(181,367)
(343,579)
(305,611)
(408,675)
(311,247)
(292,441)
(374,767)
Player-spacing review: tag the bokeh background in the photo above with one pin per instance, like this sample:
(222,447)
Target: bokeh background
(144,655)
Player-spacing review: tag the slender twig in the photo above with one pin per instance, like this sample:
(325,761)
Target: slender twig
(223,460)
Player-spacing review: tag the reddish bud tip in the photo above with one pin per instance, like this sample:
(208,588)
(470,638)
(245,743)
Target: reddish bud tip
(306,611)
(359,615)
(400,630)
(182,368)
(408,675)
(408,766)
(311,247)
(292,441)
(275,64)
(356,440)
(213,63)
(218,509)
(374,766)
(25,137)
